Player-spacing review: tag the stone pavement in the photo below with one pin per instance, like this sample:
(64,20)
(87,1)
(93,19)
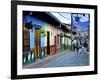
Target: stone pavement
(45,60)
(68,60)
(62,59)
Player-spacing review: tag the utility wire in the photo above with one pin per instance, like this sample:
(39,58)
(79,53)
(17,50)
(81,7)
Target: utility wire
(63,16)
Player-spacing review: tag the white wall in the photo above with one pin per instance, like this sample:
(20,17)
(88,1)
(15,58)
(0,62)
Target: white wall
(5,29)
(51,29)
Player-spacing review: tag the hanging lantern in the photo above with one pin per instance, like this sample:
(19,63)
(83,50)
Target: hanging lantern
(28,25)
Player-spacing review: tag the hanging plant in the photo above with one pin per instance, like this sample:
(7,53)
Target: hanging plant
(43,32)
(28,25)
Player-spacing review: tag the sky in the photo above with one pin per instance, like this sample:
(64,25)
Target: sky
(63,17)
(66,18)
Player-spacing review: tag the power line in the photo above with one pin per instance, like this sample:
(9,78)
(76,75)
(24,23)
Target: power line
(63,16)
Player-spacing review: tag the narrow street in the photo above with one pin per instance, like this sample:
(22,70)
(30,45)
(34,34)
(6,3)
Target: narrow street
(68,59)
(49,38)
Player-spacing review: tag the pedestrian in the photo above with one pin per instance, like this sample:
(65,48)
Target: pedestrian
(81,48)
(74,44)
(77,46)
(85,47)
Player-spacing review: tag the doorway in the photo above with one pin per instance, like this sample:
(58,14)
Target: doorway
(37,42)
(48,43)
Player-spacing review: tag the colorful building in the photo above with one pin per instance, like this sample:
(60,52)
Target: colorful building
(43,35)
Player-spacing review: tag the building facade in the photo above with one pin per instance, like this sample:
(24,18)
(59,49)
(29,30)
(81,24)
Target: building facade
(42,37)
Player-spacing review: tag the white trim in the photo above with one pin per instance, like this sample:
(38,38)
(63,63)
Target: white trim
(21,71)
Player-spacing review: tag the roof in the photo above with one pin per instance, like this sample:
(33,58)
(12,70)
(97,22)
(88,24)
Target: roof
(49,18)
(42,16)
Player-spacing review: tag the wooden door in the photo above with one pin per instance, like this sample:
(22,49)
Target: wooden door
(55,44)
(37,42)
(26,41)
(48,42)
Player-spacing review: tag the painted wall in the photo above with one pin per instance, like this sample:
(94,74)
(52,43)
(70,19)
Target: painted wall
(40,24)
(53,32)
(34,20)
(31,39)
(45,26)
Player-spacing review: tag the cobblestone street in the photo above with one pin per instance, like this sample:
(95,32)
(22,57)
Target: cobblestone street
(68,59)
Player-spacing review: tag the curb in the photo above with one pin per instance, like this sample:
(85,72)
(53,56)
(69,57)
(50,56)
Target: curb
(47,59)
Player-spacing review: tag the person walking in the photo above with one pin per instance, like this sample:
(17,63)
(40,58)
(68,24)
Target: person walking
(77,46)
(85,46)
(81,48)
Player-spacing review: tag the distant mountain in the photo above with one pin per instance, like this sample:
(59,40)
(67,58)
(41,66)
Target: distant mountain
(82,25)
